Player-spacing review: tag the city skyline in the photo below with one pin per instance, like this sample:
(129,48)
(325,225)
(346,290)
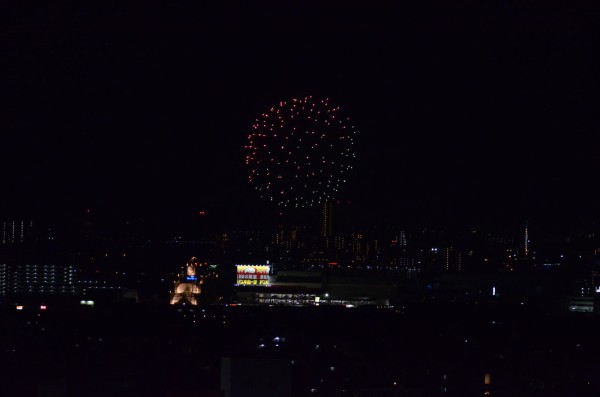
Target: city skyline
(324,198)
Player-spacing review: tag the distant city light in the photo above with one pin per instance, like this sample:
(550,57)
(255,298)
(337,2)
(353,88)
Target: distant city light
(43,307)
(19,307)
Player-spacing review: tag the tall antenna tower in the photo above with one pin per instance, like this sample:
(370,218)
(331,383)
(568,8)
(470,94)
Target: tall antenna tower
(526,239)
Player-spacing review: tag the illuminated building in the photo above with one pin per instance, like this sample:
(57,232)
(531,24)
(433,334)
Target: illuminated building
(453,260)
(253,275)
(94,286)
(326,219)
(399,240)
(358,248)
(15,231)
(339,243)
(309,288)
(191,283)
(579,304)
(402,239)
(4,279)
(278,238)
(37,279)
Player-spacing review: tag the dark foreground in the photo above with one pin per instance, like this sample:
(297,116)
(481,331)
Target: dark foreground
(423,350)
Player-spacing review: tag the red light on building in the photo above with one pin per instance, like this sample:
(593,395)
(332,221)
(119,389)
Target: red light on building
(333,263)
(201,213)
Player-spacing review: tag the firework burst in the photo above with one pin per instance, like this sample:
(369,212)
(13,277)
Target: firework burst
(300,152)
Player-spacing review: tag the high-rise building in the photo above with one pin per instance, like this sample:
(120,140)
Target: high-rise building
(339,243)
(25,279)
(453,260)
(327,219)
(4,279)
(401,239)
(358,249)
(279,238)
(16,231)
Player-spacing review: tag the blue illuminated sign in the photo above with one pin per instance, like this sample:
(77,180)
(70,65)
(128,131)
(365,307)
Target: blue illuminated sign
(191,278)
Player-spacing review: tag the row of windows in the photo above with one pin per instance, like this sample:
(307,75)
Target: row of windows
(45,268)
(40,291)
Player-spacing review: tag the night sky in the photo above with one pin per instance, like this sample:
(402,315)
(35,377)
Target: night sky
(471,112)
